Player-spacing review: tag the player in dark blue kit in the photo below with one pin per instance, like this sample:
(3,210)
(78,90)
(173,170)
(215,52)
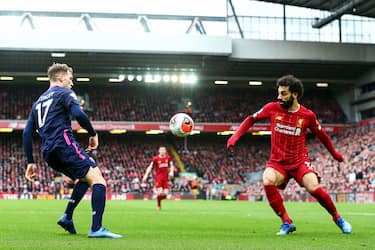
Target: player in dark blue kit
(51,116)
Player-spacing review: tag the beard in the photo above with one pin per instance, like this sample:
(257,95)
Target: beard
(288,103)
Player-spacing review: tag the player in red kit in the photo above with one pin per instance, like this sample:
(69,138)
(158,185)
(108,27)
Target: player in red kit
(289,157)
(163,165)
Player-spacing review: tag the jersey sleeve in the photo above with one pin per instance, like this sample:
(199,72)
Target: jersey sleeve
(319,132)
(69,97)
(154,161)
(82,118)
(262,114)
(27,138)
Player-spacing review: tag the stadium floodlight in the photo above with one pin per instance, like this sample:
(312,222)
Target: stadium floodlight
(131,77)
(166,78)
(113,80)
(188,79)
(57,54)
(82,79)
(195,132)
(183,78)
(6,130)
(221,82)
(322,84)
(174,78)
(139,78)
(117,131)
(6,78)
(148,78)
(255,83)
(157,78)
(266,132)
(192,79)
(120,78)
(42,78)
(154,132)
(228,132)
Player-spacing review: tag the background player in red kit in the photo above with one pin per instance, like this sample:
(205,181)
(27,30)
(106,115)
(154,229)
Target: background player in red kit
(289,157)
(163,169)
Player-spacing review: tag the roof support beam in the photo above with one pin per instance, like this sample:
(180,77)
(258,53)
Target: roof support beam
(236,19)
(196,22)
(27,17)
(341,10)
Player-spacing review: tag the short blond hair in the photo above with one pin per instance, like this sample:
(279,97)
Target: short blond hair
(57,68)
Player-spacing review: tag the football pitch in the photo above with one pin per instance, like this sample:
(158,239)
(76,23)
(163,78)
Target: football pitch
(31,224)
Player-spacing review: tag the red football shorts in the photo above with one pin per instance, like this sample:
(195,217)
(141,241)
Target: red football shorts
(296,173)
(162,183)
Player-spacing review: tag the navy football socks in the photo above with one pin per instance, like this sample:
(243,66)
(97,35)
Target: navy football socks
(98,203)
(79,191)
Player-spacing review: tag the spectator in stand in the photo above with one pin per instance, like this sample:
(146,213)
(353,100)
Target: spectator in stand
(140,104)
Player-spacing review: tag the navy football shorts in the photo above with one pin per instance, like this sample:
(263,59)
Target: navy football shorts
(71,160)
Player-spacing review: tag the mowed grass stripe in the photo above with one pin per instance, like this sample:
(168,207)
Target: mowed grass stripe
(31,224)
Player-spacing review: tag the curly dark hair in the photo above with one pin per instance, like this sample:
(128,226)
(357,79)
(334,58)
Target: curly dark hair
(295,84)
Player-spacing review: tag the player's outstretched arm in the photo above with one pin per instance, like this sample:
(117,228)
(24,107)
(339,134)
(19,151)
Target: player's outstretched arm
(262,114)
(27,139)
(148,171)
(324,138)
(245,125)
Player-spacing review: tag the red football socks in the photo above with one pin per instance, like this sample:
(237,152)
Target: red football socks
(325,200)
(161,197)
(276,202)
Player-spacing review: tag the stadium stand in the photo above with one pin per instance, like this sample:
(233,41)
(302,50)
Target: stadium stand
(128,103)
(125,158)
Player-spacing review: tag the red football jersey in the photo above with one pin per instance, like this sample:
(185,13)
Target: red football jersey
(288,136)
(161,166)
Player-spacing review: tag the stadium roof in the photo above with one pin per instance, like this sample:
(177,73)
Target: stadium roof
(354,7)
(27,65)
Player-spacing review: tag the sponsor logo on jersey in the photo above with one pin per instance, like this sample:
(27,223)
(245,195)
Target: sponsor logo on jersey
(163,164)
(286,129)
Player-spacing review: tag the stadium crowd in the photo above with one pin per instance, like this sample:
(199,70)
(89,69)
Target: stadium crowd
(129,103)
(123,160)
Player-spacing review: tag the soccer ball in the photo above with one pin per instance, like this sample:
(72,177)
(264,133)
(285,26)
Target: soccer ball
(181,124)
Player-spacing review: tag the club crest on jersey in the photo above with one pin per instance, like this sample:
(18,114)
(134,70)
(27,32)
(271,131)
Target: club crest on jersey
(300,122)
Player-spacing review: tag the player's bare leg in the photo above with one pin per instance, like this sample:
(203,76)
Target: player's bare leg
(271,180)
(96,181)
(311,183)
(162,194)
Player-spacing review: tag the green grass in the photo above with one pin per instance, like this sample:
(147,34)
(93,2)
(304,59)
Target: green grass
(31,224)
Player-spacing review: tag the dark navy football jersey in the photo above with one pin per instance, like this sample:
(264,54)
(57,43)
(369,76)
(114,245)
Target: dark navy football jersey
(52,117)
